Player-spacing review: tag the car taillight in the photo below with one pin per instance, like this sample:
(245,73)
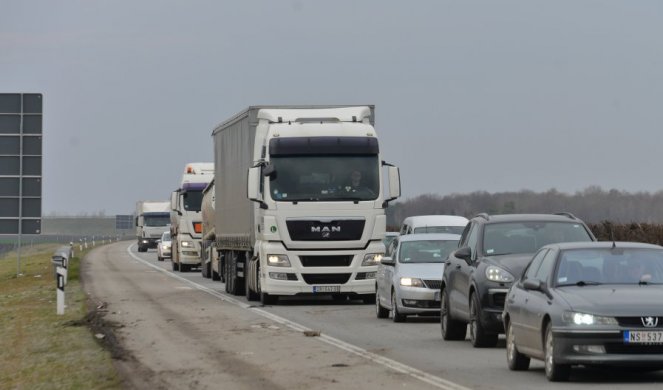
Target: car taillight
(197,227)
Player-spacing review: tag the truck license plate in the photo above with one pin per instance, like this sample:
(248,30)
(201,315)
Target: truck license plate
(326,289)
(643,337)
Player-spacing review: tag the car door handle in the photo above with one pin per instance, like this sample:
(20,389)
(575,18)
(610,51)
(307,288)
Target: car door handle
(447,263)
(457,266)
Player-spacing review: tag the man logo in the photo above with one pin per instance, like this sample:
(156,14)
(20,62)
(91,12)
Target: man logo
(649,322)
(325,231)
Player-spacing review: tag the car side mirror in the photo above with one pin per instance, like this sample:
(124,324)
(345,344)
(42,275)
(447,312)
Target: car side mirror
(464,253)
(533,284)
(388,261)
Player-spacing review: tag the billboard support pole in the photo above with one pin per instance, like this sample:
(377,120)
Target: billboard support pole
(20,194)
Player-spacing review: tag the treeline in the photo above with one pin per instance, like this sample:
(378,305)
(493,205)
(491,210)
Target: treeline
(593,205)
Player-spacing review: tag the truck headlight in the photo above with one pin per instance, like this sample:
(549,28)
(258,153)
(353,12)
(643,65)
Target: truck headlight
(187,244)
(278,260)
(587,319)
(372,259)
(412,282)
(497,274)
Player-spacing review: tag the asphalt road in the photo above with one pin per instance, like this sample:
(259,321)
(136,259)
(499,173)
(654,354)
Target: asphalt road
(416,344)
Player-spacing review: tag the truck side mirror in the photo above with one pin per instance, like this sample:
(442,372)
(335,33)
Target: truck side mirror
(253,186)
(394,183)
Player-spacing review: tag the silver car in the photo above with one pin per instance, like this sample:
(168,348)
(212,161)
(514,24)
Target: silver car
(164,247)
(409,276)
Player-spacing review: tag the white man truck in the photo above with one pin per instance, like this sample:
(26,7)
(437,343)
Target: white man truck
(186,222)
(291,216)
(152,220)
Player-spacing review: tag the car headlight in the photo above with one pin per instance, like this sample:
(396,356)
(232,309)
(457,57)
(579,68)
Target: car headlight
(497,274)
(278,260)
(587,319)
(372,259)
(412,282)
(187,244)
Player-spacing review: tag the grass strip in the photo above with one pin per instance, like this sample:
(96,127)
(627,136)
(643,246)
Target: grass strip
(38,348)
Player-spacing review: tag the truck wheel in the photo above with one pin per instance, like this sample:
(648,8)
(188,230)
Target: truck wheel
(205,269)
(215,275)
(176,266)
(159,258)
(250,294)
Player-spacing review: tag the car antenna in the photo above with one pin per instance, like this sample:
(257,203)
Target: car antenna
(612,237)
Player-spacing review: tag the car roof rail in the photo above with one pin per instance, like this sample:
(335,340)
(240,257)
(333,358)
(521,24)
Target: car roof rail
(483,215)
(566,214)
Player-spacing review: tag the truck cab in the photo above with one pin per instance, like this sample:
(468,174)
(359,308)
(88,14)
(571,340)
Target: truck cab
(185,215)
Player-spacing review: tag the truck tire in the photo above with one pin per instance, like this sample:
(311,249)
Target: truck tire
(232,280)
(176,266)
(215,275)
(250,294)
(205,269)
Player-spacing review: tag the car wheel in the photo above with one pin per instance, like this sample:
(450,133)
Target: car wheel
(516,360)
(395,315)
(478,335)
(380,311)
(554,372)
(451,329)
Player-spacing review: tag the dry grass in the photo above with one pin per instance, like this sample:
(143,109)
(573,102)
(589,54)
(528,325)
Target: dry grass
(39,349)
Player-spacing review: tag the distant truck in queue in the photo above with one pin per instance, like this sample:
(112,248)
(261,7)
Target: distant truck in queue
(152,220)
(208,254)
(300,198)
(186,222)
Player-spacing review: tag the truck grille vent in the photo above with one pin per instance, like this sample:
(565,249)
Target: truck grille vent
(326,278)
(326,261)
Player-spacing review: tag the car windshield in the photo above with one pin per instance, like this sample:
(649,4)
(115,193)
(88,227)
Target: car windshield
(387,240)
(156,219)
(426,251)
(528,237)
(440,229)
(329,178)
(192,200)
(610,266)
(165,237)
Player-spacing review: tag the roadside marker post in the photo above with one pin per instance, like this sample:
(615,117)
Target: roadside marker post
(61,277)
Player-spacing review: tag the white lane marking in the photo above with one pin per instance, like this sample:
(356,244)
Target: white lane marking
(433,380)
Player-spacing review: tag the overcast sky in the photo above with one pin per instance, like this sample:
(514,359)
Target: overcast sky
(490,95)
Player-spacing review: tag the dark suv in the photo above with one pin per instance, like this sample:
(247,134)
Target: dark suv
(491,254)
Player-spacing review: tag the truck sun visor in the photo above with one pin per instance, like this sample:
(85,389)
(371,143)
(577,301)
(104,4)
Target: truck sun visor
(193,186)
(323,145)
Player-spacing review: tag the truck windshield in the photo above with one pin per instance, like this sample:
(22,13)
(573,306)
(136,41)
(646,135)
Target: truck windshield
(325,178)
(192,200)
(156,219)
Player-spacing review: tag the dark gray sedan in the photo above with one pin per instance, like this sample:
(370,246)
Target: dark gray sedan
(590,303)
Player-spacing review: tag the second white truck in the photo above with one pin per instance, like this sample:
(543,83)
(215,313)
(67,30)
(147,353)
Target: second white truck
(152,220)
(300,201)
(186,222)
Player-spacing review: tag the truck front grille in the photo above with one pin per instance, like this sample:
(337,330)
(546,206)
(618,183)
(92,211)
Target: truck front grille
(335,230)
(326,278)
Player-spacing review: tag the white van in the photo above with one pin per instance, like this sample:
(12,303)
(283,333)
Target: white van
(433,224)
